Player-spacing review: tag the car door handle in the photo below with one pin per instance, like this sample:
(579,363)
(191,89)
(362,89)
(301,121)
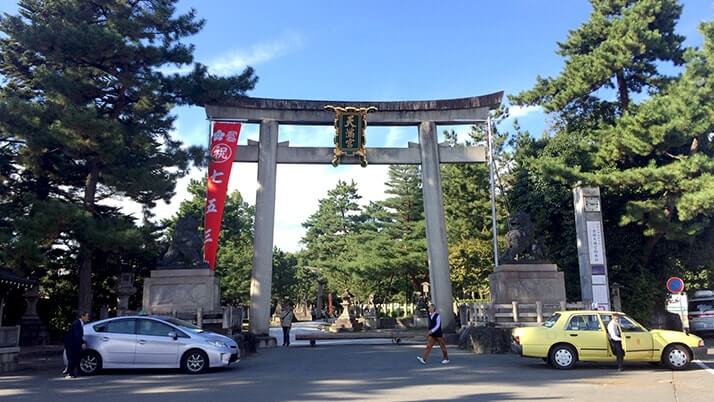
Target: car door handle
(105,339)
(573,334)
(141,341)
(628,337)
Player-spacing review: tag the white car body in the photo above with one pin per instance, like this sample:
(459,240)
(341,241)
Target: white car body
(154,342)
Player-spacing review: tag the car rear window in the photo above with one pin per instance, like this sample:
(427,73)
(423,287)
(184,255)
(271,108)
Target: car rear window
(551,320)
(701,306)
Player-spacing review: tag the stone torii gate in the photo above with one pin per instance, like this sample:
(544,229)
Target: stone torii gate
(267,152)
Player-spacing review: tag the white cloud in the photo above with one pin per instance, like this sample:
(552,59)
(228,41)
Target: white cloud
(234,61)
(520,111)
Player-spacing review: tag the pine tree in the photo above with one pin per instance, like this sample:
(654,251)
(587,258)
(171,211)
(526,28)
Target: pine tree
(325,240)
(407,229)
(85,96)
(617,48)
(652,157)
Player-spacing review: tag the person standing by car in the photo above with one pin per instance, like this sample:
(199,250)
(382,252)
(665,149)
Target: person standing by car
(434,336)
(614,334)
(74,344)
(286,321)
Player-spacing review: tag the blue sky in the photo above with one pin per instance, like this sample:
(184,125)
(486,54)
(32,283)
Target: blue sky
(374,50)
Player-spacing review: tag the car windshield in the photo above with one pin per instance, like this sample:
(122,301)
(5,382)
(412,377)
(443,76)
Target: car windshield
(551,320)
(183,324)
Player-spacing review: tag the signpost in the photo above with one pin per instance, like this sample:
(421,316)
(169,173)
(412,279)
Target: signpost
(677,301)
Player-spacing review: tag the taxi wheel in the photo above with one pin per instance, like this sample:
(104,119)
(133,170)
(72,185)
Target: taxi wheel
(562,357)
(676,357)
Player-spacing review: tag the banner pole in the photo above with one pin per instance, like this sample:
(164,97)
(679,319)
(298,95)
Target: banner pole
(493,190)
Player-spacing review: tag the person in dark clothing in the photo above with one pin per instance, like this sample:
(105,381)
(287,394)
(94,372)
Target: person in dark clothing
(614,335)
(74,345)
(434,336)
(286,321)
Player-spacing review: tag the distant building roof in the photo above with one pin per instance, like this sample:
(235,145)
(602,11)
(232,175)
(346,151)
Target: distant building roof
(10,277)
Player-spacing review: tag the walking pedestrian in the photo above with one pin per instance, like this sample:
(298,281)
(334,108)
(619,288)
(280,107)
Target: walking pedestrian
(286,321)
(614,335)
(434,336)
(74,345)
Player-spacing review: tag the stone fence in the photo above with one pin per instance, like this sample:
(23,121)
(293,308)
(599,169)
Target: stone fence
(9,348)
(510,315)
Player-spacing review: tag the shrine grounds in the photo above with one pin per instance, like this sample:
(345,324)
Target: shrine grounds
(373,370)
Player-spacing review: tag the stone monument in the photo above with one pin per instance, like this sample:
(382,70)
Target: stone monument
(523,276)
(32,329)
(182,284)
(371,314)
(421,316)
(125,289)
(346,321)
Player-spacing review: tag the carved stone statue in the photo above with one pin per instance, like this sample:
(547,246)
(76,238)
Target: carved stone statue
(371,307)
(420,302)
(521,242)
(185,250)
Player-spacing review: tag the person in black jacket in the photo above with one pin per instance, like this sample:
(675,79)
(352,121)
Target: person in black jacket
(74,344)
(434,336)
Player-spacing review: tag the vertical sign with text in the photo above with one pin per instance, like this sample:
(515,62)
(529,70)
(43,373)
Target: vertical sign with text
(592,261)
(224,139)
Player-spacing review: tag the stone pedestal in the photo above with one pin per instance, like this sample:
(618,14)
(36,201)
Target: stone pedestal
(371,317)
(421,321)
(527,283)
(179,291)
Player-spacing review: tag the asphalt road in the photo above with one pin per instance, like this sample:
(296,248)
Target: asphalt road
(384,372)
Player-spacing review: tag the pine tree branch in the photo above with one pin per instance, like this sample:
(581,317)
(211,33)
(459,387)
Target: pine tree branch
(678,157)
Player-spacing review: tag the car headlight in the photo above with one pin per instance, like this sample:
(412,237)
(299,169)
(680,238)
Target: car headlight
(218,344)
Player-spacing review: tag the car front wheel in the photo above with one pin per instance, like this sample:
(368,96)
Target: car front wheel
(91,363)
(676,357)
(563,357)
(194,362)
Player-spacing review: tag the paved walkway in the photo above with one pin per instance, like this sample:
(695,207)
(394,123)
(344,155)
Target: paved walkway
(357,372)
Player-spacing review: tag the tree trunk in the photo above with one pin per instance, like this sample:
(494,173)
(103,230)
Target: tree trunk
(624,97)
(85,268)
(694,146)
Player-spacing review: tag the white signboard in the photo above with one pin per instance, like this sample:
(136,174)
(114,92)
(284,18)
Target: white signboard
(599,280)
(595,248)
(600,296)
(677,304)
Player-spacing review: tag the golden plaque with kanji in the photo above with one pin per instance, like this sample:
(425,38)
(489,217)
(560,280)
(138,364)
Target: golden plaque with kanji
(350,126)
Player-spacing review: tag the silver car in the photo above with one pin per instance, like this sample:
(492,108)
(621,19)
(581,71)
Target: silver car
(154,342)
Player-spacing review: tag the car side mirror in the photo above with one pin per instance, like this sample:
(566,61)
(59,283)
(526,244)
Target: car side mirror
(173,335)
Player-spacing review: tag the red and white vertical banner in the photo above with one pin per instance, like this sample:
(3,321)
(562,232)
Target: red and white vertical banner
(224,139)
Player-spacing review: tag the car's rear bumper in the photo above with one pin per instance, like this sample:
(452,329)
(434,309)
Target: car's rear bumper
(700,352)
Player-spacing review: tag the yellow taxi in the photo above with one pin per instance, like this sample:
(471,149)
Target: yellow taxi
(571,336)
